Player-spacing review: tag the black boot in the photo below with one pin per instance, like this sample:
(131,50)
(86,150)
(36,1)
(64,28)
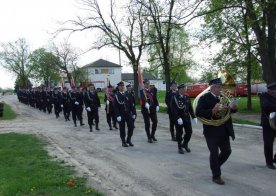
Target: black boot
(180,151)
(154,139)
(124,144)
(115,126)
(110,128)
(185,146)
(129,142)
(91,128)
(149,140)
(81,123)
(97,127)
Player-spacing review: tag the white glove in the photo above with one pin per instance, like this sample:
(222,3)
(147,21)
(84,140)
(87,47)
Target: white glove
(194,121)
(133,116)
(107,102)
(119,118)
(61,106)
(180,121)
(157,108)
(88,109)
(53,105)
(77,103)
(147,105)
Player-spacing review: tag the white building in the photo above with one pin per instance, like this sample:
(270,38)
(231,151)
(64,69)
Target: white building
(99,71)
(158,83)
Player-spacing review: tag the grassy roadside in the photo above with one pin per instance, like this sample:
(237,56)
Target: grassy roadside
(8,113)
(26,169)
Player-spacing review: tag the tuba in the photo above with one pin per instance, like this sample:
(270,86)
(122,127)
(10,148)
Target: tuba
(272,120)
(225,99)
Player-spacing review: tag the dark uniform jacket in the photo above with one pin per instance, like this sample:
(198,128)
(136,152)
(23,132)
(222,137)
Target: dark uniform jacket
(123,106)
(76,97)
(110,98)
(268,105)
(148,97)
(204,109)
(91,100)
(56,98)
(168,99)
(130,95)
(181,107)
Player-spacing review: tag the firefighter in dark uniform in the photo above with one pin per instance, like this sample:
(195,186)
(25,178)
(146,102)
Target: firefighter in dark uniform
(76,106)
(149,108)
(57,101)
(130,94)
(92,103)
(125,113)
(43,99)
(172,92)
(181,110)
(66,104)
(109,107)
(268,106)
(49,103)
(217,137)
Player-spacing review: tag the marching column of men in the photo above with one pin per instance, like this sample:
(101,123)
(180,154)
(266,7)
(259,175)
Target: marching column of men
(120,107)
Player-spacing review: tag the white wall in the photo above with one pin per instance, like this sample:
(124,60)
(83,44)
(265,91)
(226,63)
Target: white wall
(101,79)
(158,84)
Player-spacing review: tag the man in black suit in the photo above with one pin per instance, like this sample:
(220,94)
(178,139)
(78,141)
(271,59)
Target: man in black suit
(171,93)
(217,137)
(92,103)
(268,106)
(76,105)
(109,107)
(149,108)
(181,110)
(125,112)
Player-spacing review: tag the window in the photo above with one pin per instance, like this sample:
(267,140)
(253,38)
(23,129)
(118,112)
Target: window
(110,71)
(97,71)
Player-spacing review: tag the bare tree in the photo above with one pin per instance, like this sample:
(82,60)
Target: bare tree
(14,57)
(124,32)
(68,58)
(164,16)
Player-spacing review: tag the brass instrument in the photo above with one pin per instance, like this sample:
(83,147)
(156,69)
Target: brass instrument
(272,120)
(225,113)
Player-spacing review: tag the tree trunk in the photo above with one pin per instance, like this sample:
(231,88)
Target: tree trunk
(167,75)
(248,78)
(136,86)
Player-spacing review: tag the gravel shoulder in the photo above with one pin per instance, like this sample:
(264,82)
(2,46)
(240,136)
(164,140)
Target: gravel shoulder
(147,169)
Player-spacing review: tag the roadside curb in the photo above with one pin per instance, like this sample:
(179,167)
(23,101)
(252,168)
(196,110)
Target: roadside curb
(247,126)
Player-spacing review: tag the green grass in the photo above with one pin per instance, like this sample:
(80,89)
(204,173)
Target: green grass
(26,169)
(8,113)
(247,122)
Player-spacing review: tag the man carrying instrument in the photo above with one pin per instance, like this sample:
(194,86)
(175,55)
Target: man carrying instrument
(181,109)
(268,106)
(216,132)
(149,108)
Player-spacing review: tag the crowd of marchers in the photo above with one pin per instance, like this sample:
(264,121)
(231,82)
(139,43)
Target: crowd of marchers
(120,109)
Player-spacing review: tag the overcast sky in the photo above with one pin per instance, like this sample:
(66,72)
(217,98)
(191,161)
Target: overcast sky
(34,20)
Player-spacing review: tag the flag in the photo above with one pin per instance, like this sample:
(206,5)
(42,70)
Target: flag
(140,82)
(72,81)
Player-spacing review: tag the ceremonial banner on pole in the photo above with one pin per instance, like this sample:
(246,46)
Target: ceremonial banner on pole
(107,94)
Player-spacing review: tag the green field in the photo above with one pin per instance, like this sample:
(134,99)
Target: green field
(26,169)
(8,114)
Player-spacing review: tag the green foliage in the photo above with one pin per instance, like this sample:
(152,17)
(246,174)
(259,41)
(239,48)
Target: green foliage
(8,113)
(44,66)
(26,169)
(230,28)
(179,56)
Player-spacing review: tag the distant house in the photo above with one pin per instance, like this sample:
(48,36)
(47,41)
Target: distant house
(99,71)
(158,83)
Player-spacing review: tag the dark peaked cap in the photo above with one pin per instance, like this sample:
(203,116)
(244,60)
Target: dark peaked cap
(272,86)
(146,81)
(120,83)
(181,86)
(215,81)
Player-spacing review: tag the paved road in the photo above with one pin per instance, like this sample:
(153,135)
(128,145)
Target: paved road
(148,169)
